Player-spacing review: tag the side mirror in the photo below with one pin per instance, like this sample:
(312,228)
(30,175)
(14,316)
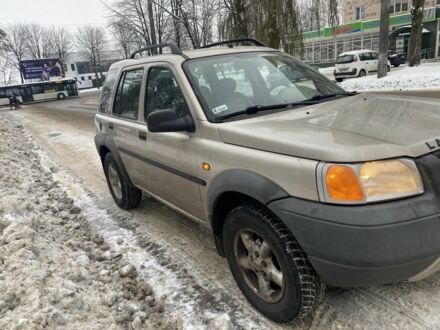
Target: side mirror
(166,120)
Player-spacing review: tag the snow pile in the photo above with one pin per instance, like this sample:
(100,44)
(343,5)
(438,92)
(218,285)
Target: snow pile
(425,76)
(89,90)
(55,270)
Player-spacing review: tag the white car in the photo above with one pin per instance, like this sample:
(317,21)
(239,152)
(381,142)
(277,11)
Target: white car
(357,63)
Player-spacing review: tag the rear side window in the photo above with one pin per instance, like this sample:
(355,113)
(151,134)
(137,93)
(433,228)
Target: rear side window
(107,91)
(374,56)
(127,96)
(365,56)
(345,59)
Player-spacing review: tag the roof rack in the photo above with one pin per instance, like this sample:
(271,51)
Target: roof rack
(234,41)
(174,49)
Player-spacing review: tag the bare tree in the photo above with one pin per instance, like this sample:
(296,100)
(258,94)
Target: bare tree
(124,37)
(14,44)
(61,42)
(92,41)
(7,69)
(415,41)
(384,38)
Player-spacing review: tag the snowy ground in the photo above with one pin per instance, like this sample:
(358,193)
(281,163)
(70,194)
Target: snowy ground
(56,269)
(421,77)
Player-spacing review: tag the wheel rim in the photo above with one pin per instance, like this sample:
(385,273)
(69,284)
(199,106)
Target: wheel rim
(115,182)
(259,265)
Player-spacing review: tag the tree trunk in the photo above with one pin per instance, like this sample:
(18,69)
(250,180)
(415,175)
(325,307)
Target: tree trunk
(384,39)
(415,41)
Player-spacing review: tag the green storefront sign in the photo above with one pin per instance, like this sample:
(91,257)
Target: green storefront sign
(430,14)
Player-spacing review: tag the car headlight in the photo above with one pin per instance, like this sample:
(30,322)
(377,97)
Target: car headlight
(368,182)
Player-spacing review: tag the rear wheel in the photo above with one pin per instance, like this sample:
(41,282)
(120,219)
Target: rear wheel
(124,194)
(269,266)
(362,73)
(61,96)
(388,68)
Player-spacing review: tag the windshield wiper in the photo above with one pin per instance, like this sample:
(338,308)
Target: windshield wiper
(257,108)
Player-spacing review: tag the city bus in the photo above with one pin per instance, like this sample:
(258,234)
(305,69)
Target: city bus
(39,91)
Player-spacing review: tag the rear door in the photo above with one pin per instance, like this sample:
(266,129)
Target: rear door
(374,61)
(366,61)
(124,123)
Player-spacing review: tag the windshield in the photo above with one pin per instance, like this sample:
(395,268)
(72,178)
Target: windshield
(232,83)
(343,59)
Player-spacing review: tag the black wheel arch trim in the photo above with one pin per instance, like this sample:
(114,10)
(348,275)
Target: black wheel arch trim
(103,141)
(248,183)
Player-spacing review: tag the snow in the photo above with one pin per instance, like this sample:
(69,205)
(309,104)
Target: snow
(425,76)
(89,90)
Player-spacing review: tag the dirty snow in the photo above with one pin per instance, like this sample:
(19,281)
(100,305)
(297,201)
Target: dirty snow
(56,270)
(89,90)
(425,76)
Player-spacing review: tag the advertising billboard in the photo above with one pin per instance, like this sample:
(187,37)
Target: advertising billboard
(43,69)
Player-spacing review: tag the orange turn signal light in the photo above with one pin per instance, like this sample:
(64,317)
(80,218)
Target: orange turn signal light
(206,167)
(343,184)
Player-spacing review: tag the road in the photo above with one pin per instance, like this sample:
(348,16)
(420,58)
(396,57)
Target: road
(65,130)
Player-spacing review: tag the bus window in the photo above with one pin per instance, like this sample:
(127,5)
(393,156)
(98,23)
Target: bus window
(59,87)
(49,88)
(37,89)
(2,93)
(12,92)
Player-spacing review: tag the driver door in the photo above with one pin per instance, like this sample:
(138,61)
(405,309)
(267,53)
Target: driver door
(170,163)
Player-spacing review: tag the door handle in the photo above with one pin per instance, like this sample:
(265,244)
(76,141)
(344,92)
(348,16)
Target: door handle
(110,125)
(143,136)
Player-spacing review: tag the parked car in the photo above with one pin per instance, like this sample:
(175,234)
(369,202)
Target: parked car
(302,184)
(356,64)
(396,59)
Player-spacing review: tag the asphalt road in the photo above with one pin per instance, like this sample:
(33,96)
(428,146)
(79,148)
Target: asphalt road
(65,129)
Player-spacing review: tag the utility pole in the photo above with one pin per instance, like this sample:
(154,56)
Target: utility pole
(98,82)
(384,40)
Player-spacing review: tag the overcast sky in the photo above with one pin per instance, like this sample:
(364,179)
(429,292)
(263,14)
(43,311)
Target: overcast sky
(67,13)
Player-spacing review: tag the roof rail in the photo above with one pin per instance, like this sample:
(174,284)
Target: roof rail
(234,41)
(174,49)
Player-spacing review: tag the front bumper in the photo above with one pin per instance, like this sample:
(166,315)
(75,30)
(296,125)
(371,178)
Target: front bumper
(370,244)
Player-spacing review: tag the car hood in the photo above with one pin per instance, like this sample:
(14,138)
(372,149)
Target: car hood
(350,129)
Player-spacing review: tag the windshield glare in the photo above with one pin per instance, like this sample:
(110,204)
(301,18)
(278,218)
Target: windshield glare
(231,83)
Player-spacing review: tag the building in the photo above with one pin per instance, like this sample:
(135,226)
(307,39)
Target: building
(80,67)
(361,31)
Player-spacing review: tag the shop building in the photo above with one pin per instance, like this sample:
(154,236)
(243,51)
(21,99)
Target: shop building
(362,31)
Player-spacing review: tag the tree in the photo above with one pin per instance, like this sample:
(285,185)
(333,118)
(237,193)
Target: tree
(124,37)
(415,41)
(61,41)
(92,41)
(384,38)
(14,44)
(7,69)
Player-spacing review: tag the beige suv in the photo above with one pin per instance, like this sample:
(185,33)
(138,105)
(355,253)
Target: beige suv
(302,183)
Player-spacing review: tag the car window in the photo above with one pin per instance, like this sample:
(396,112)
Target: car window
(127,96)
(163,92)
(374,56)
(344,59)
(365,56)
(228,84)
(107,91)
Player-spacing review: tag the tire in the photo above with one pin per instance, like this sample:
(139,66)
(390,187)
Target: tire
(362,73)
(61,96)
(124,194)
(396,65)
(299,290)
(339,80)
(388,68)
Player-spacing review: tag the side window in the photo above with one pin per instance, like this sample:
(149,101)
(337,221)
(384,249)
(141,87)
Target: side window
(163,92)
(374,56)
(365,56)
(127,96)
(107,91)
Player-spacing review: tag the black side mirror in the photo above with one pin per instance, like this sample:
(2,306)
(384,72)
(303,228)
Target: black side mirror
(166,120)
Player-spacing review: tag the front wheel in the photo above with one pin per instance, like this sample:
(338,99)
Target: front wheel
(269,266)
(61,96)
(124,194)
(339,80)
